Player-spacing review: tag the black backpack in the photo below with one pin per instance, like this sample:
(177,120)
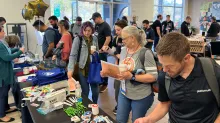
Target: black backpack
(58,36)
(154,85)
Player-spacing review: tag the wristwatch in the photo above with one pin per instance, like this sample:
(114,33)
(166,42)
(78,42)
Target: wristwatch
(133,78)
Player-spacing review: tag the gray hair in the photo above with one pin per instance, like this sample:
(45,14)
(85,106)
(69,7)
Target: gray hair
(139,34)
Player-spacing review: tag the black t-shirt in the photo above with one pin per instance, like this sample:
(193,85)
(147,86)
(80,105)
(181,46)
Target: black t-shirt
(55,26)
(213,30)
(117,43)
(192,100)
(102,31)
(150,33)
(156,24)
(185,28)
(167,25)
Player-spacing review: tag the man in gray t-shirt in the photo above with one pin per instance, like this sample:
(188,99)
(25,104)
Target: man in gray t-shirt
(76,27)
(48,40)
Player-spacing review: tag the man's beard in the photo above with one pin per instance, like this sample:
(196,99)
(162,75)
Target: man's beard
(179,71)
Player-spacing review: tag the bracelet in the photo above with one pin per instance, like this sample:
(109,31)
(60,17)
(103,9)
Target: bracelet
(133,78)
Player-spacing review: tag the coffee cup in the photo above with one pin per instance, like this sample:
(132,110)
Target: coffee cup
(123,67)
(93,48)
(95,109)
(37,56)
(25,70)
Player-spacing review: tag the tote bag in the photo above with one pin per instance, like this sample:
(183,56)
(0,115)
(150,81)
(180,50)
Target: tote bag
(94,70)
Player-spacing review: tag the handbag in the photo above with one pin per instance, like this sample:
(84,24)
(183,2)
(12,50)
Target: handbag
(45,77)
(76,66)
(95,67)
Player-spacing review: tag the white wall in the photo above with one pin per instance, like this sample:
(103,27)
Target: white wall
(11,10)
(143,9)
(186,8)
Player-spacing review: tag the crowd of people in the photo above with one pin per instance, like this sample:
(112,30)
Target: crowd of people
(132,46)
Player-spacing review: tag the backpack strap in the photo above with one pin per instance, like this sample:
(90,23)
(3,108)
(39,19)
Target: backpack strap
(116,40)
(142,55)
(72,25)
(80,46)
(208,68)
(167,83)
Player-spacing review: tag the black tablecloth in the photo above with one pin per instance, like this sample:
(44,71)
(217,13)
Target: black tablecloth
(30,114)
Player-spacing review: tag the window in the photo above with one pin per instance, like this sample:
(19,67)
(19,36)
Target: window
(124,12)
(174,8)
(85,10)
(109,9)
(61,8)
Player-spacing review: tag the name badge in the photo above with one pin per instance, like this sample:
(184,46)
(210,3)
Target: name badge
(123,87)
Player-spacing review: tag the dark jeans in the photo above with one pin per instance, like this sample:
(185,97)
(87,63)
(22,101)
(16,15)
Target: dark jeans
(103,57)
(149,45)
(4,100)
(138,107)
(16,94)
(156,40)
(85,88)
(117,84)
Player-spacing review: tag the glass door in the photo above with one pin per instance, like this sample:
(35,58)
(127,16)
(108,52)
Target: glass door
(62,8)
(105,10)
(110,10)
(86,9)
(74,11)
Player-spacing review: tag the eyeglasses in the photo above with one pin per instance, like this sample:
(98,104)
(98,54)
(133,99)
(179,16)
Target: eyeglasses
(125,38)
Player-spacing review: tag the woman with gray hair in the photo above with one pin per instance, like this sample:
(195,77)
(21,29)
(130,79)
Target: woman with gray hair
(136,93)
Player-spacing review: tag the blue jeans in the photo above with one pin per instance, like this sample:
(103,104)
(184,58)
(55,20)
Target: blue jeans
(156,41)
(138,107)
(85,88)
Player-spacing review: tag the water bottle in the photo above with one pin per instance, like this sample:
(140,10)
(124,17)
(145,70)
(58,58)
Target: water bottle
(78,90)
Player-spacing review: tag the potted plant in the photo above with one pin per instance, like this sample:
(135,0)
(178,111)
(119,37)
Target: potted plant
(193,29)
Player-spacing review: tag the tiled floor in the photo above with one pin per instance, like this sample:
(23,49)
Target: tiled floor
(15,115)
(106,102)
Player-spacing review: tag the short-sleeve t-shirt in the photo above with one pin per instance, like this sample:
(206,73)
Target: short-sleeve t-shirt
(67,40)
(102,31)
(192,100)
(167,25)
(138,90)
(156,24)
(117,43)
(150,33)
(49,37)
